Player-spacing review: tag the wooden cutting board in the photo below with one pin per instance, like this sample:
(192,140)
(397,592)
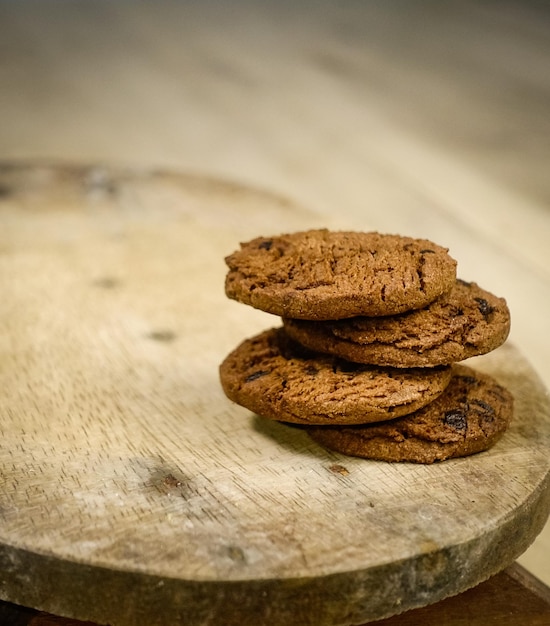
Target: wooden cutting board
(133,492)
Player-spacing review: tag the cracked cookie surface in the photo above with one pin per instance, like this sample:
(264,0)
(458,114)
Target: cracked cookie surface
(468,417)
(466,322)
(328,275)
(277,378)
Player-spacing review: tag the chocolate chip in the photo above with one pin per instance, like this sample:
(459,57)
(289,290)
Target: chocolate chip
(427,251)
(266,244)
(467,380)
(487,410)
(484,307)
(456,419)
(256,375)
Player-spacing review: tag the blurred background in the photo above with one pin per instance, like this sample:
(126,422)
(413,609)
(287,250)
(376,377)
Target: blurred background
(424,118)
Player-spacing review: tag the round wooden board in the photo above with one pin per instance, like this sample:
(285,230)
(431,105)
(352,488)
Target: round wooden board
(132,491)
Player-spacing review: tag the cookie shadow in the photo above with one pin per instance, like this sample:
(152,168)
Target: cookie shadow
(292,437)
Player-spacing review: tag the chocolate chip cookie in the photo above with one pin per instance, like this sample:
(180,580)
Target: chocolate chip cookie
(327,275)
(468,417)
(278,378)
(467,322)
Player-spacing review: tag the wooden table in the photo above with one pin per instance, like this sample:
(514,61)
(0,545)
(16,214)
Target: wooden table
(410,118)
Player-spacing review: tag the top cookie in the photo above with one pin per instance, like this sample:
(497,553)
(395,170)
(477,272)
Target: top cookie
(326,275)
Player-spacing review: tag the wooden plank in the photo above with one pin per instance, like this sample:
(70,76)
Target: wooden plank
(133,489)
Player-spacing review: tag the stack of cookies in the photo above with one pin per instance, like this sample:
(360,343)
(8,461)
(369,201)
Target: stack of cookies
(373,327)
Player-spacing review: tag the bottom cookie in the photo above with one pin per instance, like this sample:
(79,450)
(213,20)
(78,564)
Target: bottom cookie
(469,417)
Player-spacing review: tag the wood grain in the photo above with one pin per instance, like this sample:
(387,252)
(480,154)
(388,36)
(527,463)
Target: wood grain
(133,490)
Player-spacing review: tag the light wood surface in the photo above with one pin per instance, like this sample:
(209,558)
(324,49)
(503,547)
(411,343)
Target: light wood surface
(126,473)
(417,117)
